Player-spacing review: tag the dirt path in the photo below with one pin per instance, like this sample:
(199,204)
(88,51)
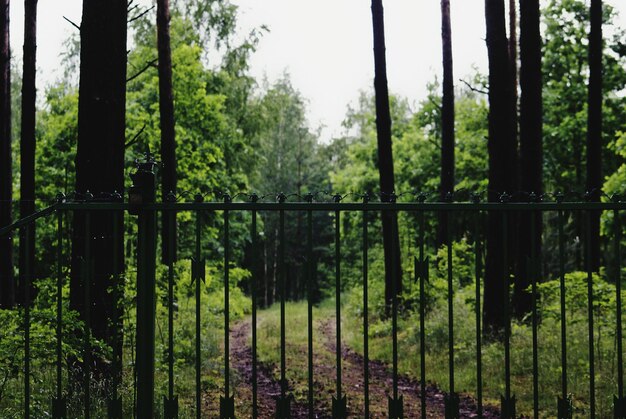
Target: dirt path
(325,375)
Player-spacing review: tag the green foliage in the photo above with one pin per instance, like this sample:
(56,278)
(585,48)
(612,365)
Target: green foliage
(549,361)
(565,69)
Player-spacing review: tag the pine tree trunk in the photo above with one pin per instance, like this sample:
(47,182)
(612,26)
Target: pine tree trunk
(7,286)
(100,158)
(501,148)
(168,134)
(594,130)
(385,155)
(531,149)
(447,119)
(27,145)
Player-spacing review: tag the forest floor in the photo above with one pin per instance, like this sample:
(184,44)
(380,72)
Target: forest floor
(380,386)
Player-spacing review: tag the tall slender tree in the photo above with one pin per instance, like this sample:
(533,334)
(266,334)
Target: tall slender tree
(168,133)
(594,129)
(27,144)
(447,118)
(502,159)
(100,157)
(391,240)
(531,148)
(7,287)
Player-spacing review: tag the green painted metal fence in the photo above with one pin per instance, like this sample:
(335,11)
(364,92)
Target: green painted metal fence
(146,210)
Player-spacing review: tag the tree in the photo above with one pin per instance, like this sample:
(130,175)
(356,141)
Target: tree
(391,239)
(447,118)
(531,149)
(27,145)
(100,158)
(565,113)
(502,159)
(291,163)
(7,290)
(594,131)
(168,133)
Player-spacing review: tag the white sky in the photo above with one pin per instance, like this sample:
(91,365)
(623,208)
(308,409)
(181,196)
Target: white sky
(325,45)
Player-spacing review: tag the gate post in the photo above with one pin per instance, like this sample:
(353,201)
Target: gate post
(141,194)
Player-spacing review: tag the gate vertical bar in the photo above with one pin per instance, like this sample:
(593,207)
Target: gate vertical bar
(451,399)
(87,271)
(534,272)
(450,305)
(563,402)
(114,402)
(170,403)
(338,299)
(423,272)
(227,403)
(27,285)
(394,315)
(309,281)
(58,408)
(617,225)
(255,272)
(508,401)
(339,402)
(366,378)
(145,182)
(283,361)
(477,274)
(592,378)
(283,403)
(199,265)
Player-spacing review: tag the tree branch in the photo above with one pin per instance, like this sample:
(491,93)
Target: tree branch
(140,15)
(473,89)
(143,70)
(135,137)
(72,23)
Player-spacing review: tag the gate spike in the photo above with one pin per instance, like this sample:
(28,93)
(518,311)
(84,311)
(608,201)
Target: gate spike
(619,407)
(507,411)
(114,408)
(396,407)
(170,407)
(421,267)
(452,402)
(283,407)
(227,407)
(59,408)
(340,407)
(198,270)
(565,409)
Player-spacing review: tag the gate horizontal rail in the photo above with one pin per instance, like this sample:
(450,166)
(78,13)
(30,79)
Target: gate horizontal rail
(146,261)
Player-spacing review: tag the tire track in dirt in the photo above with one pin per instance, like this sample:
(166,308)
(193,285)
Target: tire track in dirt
(380,386)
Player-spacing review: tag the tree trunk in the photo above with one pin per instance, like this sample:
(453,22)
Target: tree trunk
(501,148)
(7,286)
(100,160)
(168,134)
(531,149)
(391,241)
(447,119)
(27,145)
(594,130)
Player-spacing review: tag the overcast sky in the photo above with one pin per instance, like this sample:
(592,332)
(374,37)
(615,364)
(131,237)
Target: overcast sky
(325,45)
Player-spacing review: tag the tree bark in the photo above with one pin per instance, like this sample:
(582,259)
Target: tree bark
(100,159)
(168,133)
(531,148)
(27,144)
(594,131)
(447,119)
(391,242)
(502,160)
(7,286)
